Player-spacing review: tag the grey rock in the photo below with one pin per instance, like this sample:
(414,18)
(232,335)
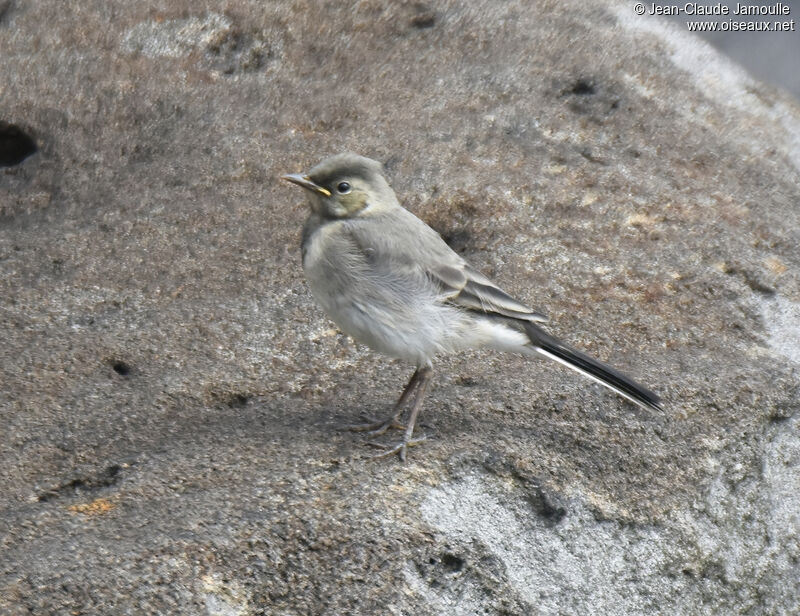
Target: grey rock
(170,393)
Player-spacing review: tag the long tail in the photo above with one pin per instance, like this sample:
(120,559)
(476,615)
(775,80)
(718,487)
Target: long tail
(553,348)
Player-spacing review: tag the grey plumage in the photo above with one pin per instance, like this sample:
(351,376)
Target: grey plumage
(388,280)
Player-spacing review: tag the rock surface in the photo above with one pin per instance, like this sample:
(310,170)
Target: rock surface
(170,392)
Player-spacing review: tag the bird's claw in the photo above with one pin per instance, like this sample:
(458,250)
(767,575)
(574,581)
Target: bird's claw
(398,448)
(375,428)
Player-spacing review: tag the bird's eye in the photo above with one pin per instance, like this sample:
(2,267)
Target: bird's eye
(343,188)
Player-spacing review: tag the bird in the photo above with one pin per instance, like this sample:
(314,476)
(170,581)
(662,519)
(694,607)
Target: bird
(391,282)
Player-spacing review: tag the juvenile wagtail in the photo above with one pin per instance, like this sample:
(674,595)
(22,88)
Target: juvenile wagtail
(389,281)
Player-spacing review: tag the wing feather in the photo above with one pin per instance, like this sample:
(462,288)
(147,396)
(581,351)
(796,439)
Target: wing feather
(414,247)
(468,288)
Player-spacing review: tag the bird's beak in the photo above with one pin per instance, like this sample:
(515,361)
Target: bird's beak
(305,182)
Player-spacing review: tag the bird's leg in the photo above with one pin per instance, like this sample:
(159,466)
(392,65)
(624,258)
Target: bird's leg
(424,376)
(377,428)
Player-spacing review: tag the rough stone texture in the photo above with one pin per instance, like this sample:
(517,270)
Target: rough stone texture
(170,392)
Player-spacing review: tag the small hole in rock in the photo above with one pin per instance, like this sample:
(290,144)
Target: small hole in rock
(458,240)
(583,87)
(425,18)
(779,418)
(238,400)
(15,145)
(452,563)
(121,368)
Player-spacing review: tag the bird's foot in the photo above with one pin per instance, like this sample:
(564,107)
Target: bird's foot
(376,427)
(400,448)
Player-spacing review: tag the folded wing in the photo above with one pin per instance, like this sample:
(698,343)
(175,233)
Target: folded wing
(467,288)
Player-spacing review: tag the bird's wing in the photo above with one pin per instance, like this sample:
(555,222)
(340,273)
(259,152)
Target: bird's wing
(413,247)
(465,287)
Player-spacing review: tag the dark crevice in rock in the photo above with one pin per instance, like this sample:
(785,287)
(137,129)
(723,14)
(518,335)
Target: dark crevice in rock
(585,97)
(458,240)
(120,367)
(5,7)
(238,400)
(15,144)
(544,501)
(424,18)
(751,279)
(546,508)
(587,154)
(110,476)
(582,87)
(757,285)
(452,563)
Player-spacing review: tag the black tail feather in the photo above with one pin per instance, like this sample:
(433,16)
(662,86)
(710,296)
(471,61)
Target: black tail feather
(553,348)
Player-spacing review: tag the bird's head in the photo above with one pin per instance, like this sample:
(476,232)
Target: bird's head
(345,186)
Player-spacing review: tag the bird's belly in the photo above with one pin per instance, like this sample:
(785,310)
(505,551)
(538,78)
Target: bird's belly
(417,335)
(412,334)
(398,315)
